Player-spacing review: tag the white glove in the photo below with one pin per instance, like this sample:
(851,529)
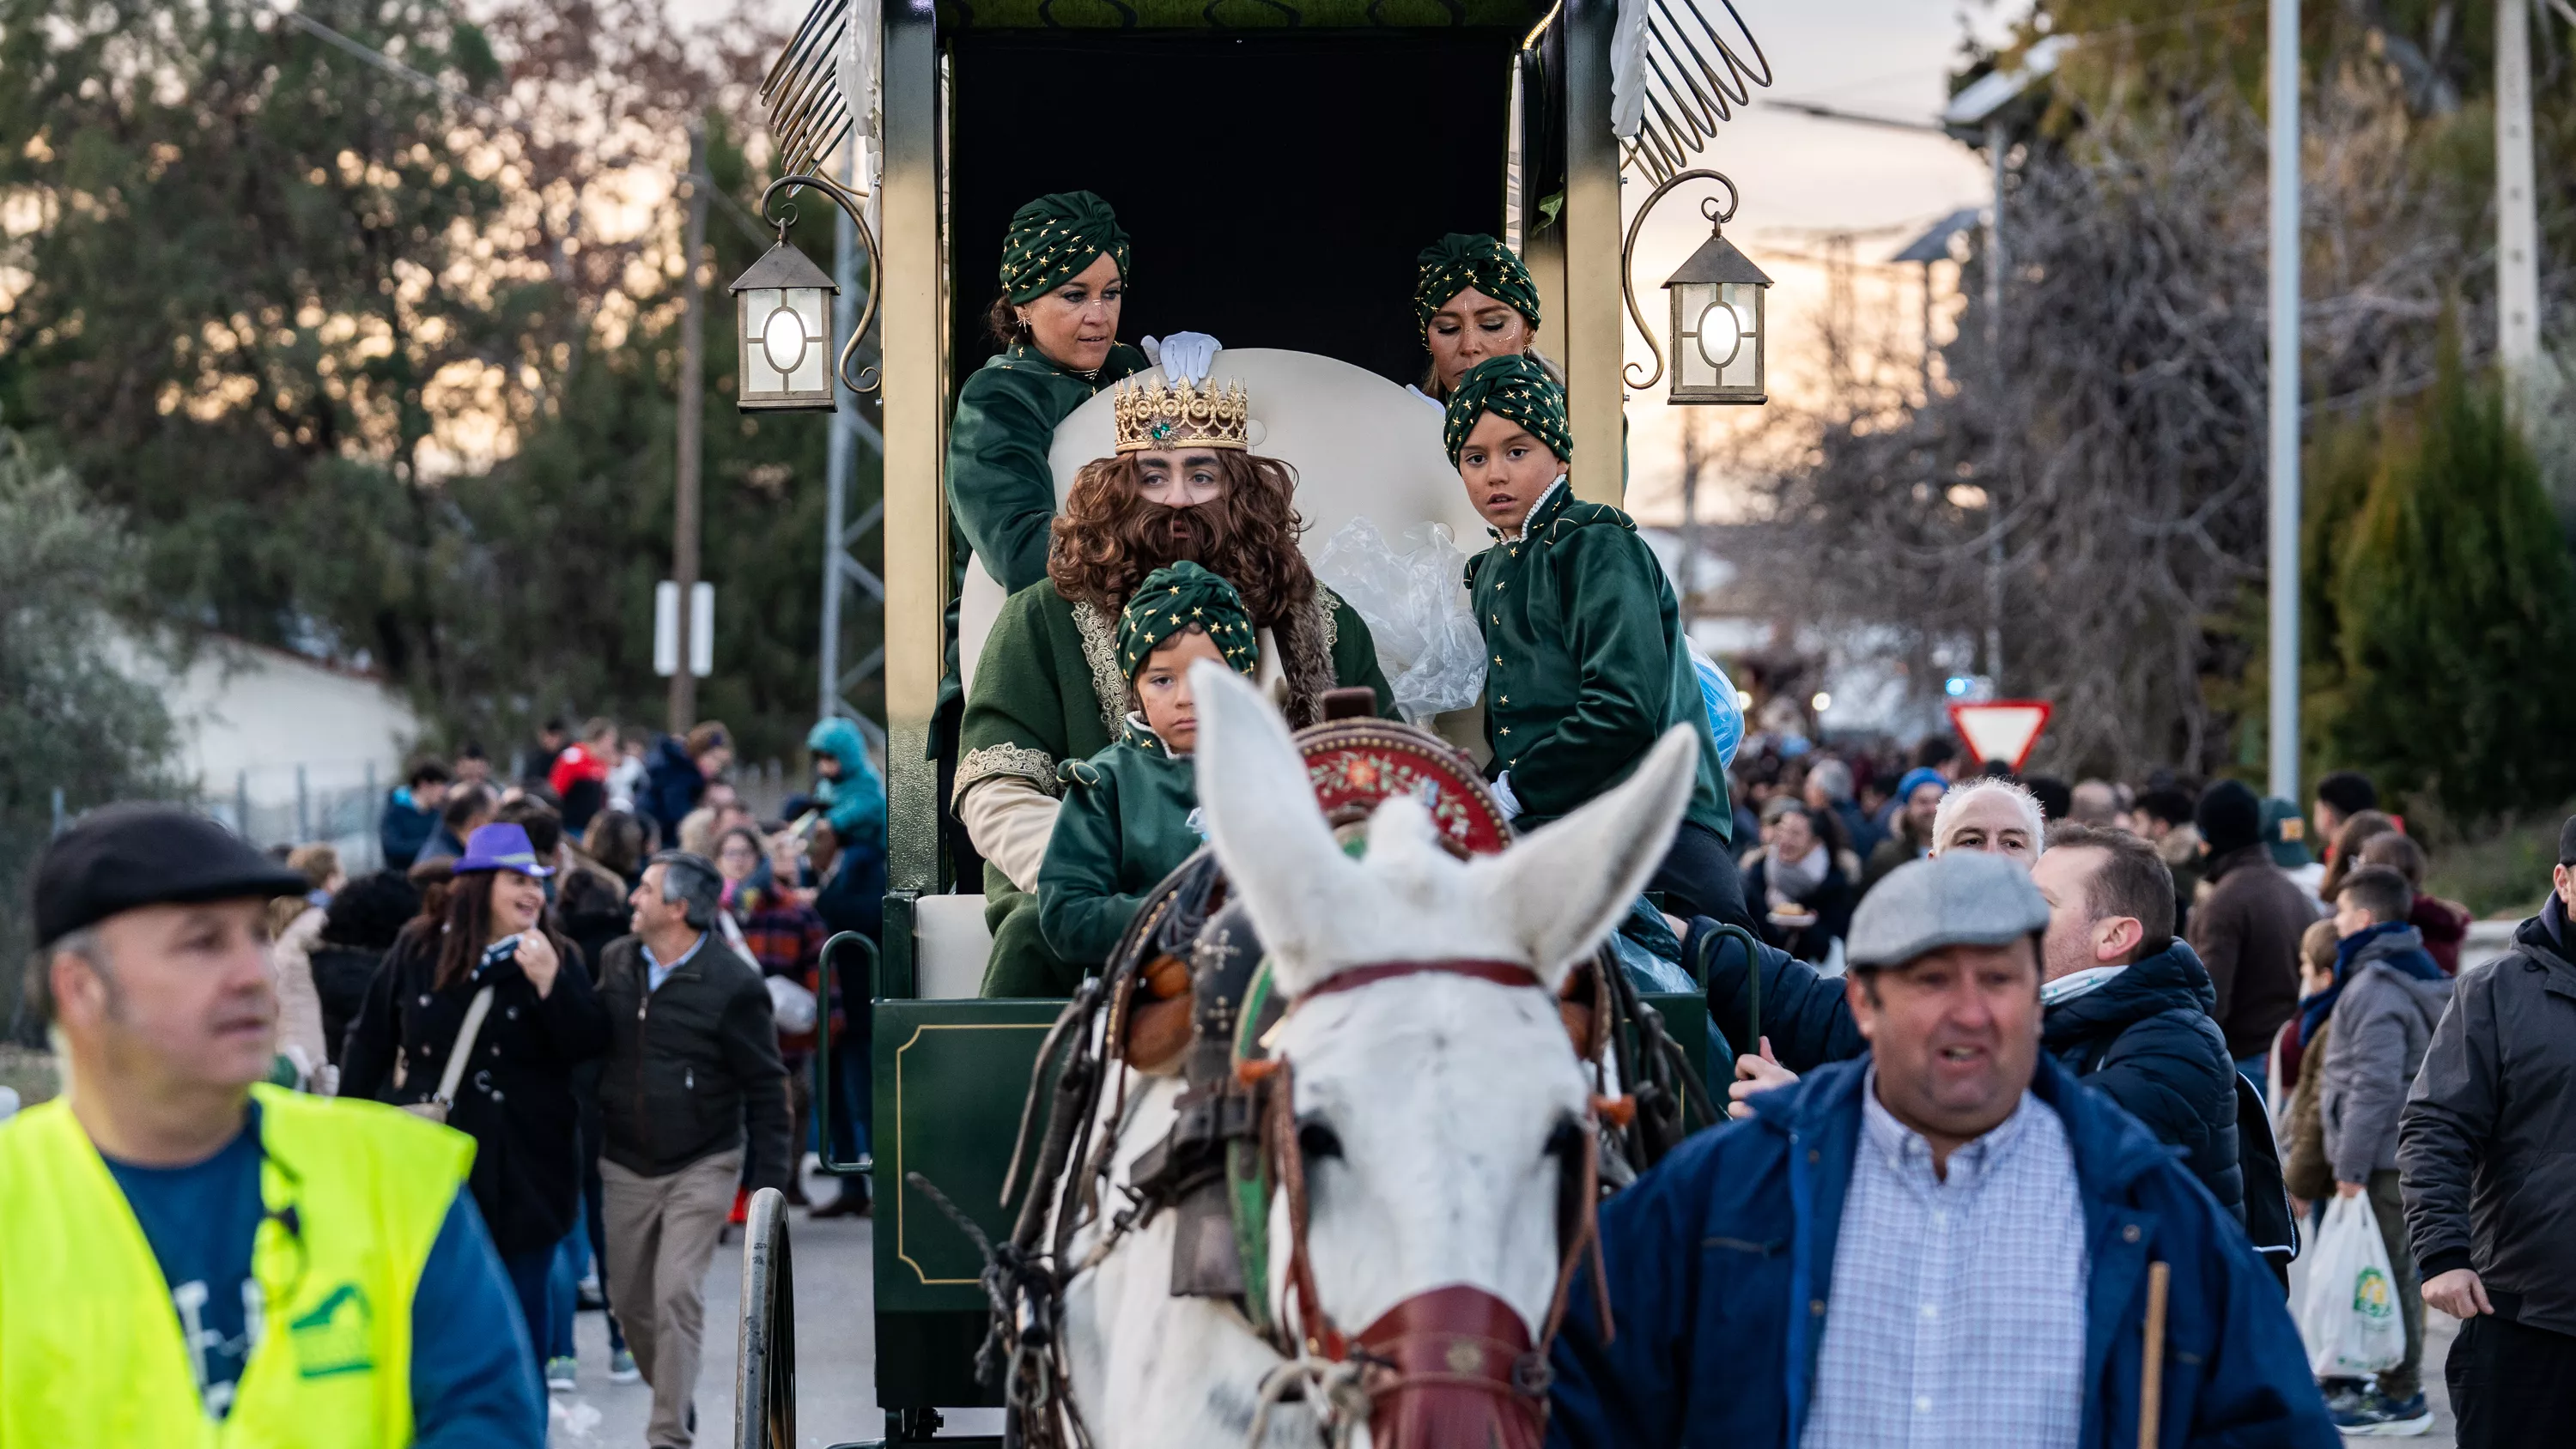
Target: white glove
(1183,355)
(1503,792)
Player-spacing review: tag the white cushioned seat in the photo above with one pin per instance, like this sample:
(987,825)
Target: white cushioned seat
(950,946)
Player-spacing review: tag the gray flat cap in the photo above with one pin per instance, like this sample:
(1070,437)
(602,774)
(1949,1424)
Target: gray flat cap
(1958,898)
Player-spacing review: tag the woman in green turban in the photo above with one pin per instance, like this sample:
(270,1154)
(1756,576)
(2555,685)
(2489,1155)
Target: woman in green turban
(1473,300)
(1130,813)
(1063,279)
(1586,664)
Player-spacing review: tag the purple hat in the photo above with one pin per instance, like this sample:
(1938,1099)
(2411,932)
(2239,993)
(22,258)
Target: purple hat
(501,847)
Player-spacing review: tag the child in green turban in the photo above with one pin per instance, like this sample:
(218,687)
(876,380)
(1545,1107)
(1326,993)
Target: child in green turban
(1586,665)
(1130,813)
(1472,300)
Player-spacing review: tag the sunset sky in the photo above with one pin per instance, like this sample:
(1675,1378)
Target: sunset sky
(1802,177)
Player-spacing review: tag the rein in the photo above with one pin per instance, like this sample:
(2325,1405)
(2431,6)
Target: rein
(1393,1356)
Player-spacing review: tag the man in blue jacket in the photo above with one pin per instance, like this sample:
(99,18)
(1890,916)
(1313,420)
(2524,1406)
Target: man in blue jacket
(1948,1241)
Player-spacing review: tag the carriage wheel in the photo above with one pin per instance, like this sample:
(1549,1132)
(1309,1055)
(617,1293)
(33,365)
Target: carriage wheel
(764,1389)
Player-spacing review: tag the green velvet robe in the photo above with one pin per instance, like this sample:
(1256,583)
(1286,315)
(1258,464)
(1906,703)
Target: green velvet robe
(1585,661)
(1001,493)
(1128,821)
(1048,689)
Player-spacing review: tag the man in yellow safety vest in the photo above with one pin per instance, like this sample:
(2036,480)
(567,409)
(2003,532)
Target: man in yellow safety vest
(189,1257)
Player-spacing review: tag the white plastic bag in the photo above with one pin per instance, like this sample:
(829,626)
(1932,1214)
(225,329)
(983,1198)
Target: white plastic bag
(2349,1313)
(1415,604)
(791,1006)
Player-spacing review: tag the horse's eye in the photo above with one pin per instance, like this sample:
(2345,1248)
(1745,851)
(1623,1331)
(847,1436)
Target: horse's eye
(1566,1141)
(1314,1139)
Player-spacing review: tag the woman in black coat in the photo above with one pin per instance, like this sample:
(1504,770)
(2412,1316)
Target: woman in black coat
(516,1097)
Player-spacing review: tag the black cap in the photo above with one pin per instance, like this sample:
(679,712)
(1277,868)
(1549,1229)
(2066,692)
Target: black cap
(2230,817)
(119,857)
(2567,842)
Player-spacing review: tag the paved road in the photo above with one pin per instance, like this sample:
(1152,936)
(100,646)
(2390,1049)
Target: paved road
(835,1341)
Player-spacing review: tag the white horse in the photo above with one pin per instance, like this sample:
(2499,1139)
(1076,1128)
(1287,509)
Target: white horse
(1437,1105)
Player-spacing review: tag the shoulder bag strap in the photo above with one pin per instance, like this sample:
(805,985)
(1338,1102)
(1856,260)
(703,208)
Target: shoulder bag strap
(457,1055)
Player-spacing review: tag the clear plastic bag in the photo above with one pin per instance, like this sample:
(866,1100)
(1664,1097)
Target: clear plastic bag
(1415,604)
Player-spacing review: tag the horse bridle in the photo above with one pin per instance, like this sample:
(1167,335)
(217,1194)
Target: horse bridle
(1498,1361)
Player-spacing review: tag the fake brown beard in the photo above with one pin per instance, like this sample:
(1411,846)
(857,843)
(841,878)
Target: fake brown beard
(1246,535)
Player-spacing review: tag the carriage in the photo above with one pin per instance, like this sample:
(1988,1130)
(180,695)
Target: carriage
(1284,160)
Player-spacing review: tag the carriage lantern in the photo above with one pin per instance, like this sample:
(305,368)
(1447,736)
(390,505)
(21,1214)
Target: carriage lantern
(1716,332)
(784,301)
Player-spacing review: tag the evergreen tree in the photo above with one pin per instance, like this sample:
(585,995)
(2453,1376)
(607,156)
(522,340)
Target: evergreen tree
(70,720)
(2457,607)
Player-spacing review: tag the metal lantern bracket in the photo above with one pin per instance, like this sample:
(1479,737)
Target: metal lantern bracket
(1718,213)
(848,199)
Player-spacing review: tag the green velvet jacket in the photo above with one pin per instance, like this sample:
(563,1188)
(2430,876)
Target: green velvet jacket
(1128,821)
(1001,493)
(1048,689)
(1586,665)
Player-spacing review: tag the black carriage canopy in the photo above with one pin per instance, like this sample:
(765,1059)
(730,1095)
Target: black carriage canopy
(1277,165)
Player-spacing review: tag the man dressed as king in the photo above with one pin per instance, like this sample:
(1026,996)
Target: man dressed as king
(1183,485)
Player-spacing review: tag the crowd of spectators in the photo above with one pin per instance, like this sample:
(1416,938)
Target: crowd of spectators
(525,919)
(2234,970)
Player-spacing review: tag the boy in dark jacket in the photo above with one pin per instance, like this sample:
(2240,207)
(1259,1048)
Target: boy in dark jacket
(676,775)
(1586,662)
(2386,998)
(411,813)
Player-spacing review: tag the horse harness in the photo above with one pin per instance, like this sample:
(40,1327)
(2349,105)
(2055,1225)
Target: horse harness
(1233,1146)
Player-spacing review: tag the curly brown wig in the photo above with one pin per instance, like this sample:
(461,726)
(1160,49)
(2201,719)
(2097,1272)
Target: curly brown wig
(1110,536)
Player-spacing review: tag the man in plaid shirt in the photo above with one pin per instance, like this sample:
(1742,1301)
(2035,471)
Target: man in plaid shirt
(1948,1242)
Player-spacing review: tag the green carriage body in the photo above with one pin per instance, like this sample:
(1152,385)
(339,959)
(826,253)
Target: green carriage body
(1278,163)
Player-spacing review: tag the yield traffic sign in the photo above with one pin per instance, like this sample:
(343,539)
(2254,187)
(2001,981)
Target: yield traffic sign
(2003,729)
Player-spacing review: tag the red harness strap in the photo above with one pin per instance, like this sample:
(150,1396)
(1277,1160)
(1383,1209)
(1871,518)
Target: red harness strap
(1351,978)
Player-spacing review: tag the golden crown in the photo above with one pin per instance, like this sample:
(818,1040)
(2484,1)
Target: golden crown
(1153,415)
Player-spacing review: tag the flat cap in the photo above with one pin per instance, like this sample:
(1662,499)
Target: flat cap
(119,857)
(1957,898)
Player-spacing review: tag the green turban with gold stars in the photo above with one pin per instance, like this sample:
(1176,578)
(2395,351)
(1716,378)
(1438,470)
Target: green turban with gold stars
(1518,388)
(1460,260)
(1055,239)
(1177,597)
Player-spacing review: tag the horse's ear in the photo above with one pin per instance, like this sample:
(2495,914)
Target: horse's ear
(1279,855)
(1561,889)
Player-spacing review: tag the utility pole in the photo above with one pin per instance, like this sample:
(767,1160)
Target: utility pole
(2517,217)
(840,462)
(1996,141)
(1694,457)
(684,490)
(2283,737)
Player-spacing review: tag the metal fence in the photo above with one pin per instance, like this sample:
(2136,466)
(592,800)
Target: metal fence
(343,815)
